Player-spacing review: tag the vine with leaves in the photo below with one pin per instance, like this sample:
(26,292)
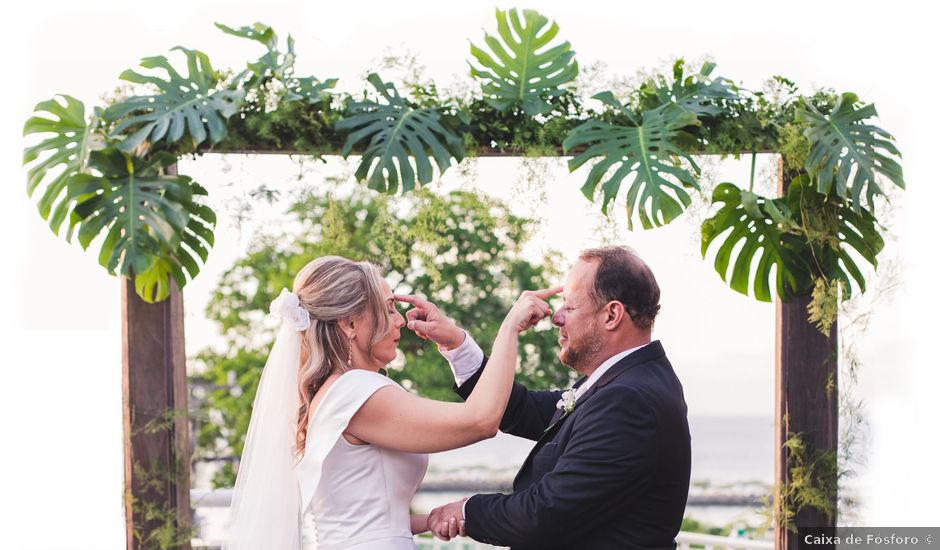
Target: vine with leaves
(105,176)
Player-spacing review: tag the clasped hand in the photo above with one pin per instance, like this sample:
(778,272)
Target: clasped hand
(447,521)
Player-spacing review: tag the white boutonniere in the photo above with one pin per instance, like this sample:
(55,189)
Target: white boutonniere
(567,401)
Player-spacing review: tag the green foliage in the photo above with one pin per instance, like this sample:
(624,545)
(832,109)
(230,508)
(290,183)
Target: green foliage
(158,526)
(151,222)
(813,477)
(298,126)
(647,140)
(691,525)
(696,93)
(462,251)
(518,70)
(759,226)
(398,135)
(277,65)
(794,147)
(846,153)
(513,131)
(823,310)
(646,150)
(804,236)
(60,155)
(644,140)
(835,231)
(190,105)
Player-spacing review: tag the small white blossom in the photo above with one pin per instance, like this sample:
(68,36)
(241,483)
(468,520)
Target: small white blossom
(274,93)
(567,401)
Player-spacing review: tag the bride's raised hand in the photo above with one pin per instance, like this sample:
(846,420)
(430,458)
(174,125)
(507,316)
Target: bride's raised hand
(430,323)
(529,309)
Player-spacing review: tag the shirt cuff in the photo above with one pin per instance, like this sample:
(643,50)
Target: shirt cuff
(465,360)
(463,510)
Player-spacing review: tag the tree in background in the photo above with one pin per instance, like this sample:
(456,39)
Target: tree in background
(460,250)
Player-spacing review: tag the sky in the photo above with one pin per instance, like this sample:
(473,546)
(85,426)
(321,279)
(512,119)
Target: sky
(61,409)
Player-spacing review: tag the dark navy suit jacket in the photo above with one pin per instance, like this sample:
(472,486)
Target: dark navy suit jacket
(612,473)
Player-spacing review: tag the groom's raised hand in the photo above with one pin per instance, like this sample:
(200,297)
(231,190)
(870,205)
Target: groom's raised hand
(430,323)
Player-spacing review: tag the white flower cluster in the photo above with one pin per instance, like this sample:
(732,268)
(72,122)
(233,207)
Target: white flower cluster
(567,401)
(287,307)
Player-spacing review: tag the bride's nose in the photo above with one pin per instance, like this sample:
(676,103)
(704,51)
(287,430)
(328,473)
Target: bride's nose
(398,319)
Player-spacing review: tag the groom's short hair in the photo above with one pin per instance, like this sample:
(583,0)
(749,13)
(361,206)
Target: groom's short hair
(623,276)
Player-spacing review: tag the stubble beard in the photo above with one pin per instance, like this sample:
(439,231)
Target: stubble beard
(582,350)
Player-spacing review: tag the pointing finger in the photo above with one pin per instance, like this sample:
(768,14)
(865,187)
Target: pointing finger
(548,292)
(414,300)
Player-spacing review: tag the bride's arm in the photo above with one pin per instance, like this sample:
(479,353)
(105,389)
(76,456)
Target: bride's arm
(419,524)
(398,420)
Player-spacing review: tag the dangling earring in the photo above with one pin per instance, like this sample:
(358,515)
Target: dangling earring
(349,357)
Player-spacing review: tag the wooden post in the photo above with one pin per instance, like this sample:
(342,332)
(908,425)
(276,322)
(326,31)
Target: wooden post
(807,396)
(156,429)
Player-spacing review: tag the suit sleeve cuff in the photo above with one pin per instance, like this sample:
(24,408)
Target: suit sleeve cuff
(465,360)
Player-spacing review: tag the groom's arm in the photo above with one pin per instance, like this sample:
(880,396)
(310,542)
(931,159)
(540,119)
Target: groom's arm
(528,413)
(607,463)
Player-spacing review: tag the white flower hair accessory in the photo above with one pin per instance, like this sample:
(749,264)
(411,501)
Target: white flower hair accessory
(287,307)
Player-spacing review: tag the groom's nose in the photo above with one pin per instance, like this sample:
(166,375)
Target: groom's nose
(558,318)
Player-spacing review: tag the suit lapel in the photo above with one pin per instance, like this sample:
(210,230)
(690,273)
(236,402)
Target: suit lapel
(649,352)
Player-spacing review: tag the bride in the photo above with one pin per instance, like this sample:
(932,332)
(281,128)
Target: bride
(333,442)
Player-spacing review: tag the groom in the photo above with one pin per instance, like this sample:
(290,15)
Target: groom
(611,463)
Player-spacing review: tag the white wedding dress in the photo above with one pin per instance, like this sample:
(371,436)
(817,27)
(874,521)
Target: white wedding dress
(355,497)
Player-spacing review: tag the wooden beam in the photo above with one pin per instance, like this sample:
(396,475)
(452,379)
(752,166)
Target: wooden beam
(807,396)
(156,429)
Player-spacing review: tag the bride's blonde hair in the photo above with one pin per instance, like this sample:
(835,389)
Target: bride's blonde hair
(332,288)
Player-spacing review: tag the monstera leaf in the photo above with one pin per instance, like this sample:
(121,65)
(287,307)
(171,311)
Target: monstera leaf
(756,225)
(60,156)
(645,151)
(695,93)
(803,236)
(850,232)
(400,139)
(308,88)
(150,221)
(278,65)
(521,68)
(847,152)
(272,63)
(191,104)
